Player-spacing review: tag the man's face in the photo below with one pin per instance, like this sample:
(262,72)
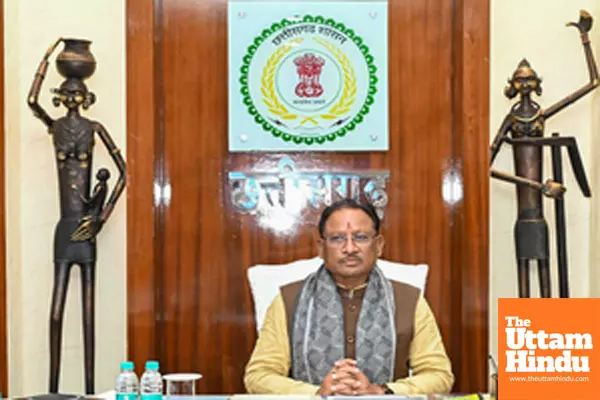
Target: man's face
(350,246)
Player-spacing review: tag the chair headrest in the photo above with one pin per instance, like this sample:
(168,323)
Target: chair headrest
(265,280)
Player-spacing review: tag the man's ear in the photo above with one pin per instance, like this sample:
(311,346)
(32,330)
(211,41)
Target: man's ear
(320,245)
(380,244)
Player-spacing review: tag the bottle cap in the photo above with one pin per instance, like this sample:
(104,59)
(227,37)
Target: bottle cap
(152,365)
(127,366)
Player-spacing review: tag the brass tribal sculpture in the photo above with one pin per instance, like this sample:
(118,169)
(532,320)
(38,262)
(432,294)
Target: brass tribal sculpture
(523,128)
(82,214)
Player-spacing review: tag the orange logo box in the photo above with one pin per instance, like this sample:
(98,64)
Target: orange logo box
(548,349)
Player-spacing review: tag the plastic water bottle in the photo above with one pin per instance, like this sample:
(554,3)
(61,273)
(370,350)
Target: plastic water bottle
(151,382)
(128,386)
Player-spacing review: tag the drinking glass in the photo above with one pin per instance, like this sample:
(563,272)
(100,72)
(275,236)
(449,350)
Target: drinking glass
(181,386)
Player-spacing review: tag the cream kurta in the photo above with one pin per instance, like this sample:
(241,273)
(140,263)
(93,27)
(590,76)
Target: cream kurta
(268,368)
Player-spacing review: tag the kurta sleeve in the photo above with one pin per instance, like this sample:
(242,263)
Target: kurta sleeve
(268,369)
(431,367)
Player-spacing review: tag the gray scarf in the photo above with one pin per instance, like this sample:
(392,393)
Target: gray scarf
(317,331)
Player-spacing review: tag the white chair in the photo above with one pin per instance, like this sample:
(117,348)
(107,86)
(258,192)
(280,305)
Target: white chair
(265,280)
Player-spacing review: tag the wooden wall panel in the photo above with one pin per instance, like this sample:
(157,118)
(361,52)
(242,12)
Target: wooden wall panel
(470,244)
(190,304)
(142,131)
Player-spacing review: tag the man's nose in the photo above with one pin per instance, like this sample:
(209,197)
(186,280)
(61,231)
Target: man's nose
(349,245)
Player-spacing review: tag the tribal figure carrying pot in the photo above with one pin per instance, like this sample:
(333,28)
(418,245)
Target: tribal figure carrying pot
(82,214)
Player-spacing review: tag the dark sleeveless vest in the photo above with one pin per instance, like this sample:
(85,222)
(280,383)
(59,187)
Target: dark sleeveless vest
(405,299)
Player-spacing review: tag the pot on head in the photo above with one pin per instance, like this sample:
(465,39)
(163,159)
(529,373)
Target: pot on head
(76,60)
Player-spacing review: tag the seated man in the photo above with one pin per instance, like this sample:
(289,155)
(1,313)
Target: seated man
(346,329)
